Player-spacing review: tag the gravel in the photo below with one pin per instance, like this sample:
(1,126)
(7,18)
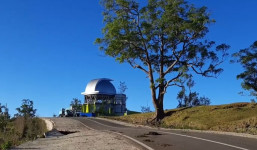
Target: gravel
(81,138)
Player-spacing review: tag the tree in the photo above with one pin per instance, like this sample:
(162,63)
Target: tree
(145,109)
(27,109)
(164,39)
(1,108)
(4,117)
(122,87)
(191,100)
(76,105)
(248,59)
(253,101)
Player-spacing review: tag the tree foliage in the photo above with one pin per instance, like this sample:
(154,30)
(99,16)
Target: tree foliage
(76,105)
(4,111)
(26,109)
(4,117)
(145,109)
(248,59)
(164,39)
(192,99)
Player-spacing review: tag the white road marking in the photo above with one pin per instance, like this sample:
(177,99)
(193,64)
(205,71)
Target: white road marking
(204,140)
(216,142)
(86,126)
(101,123)
(136,141)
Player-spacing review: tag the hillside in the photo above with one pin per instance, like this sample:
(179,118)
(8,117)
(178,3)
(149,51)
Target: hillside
(237,117)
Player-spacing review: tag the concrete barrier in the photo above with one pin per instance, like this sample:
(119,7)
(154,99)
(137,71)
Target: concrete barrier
(49,124)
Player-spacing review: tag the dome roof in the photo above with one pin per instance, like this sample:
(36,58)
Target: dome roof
(101,86)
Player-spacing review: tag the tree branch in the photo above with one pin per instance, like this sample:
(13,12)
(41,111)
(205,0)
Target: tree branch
(201,72)
(172,80)
(176,61)
(139,67)
(175,84)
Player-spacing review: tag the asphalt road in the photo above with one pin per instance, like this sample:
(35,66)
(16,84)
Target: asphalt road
(160,139)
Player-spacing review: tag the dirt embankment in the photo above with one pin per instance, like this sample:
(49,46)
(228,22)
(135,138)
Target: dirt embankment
(80,139)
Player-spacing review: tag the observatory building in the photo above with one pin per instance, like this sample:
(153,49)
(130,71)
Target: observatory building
(101,98)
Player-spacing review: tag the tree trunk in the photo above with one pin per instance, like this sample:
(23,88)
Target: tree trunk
(159,112)
(159,109)
(158,105)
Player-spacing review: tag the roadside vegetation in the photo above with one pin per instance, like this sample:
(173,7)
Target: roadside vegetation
(237,117)
(22,127)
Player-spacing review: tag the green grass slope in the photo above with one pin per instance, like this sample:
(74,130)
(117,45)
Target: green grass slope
(237,117)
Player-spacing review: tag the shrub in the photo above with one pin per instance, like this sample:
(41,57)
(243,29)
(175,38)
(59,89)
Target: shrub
(6,145)
(19,126)
(35,127)
(24,126)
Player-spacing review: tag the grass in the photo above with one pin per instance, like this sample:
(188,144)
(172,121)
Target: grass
(237,117)
(20,130)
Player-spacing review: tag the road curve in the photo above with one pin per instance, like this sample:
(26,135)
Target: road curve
(172,139)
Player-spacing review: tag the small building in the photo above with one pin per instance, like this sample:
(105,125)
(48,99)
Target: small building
(100,97)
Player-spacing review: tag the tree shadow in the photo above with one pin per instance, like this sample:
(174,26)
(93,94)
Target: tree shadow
(153,122)
(170,112)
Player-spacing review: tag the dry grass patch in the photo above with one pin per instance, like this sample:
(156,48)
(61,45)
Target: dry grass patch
(20,130)
(236,117)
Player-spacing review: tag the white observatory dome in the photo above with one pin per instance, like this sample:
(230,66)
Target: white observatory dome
(101,86)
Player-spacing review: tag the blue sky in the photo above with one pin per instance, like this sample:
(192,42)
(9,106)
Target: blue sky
(47,54)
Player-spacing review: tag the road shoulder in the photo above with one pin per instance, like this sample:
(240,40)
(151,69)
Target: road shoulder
(80,139)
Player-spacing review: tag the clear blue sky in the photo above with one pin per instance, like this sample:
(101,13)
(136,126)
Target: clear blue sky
(47,53)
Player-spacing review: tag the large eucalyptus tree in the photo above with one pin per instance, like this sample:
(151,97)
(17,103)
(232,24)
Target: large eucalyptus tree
(163,38)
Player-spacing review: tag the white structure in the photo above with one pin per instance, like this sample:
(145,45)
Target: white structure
(100,97)
(100,86)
